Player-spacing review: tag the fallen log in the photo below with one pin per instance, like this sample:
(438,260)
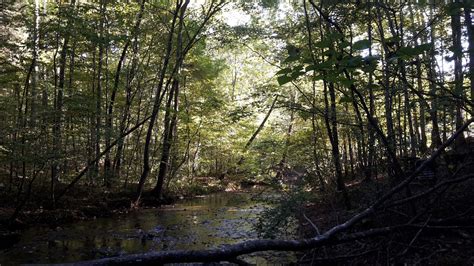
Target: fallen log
(230,252)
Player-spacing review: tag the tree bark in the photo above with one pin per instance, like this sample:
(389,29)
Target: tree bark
(435,136)
(109,125)
(58,116)
(341,187)
(170,122)
(458,73)
(470,35)
(156,104)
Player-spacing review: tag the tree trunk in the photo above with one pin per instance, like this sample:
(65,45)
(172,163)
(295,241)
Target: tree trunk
(156,104)
(435,136)
(470,35)
(458,74)
(388,91)
(371,130)
(260,127)
(98,114)
(58,116)
(109,125)
(169,122)
(341,187)
(34,74)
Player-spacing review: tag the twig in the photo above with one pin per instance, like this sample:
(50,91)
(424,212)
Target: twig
(339,258)
(312,224)
(416,236)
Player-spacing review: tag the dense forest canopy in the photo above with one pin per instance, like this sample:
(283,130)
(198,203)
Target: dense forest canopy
(153,97)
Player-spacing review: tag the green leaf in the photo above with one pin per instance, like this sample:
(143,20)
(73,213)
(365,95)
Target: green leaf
(453,8)
(345,82)
(355,61)
(311,67)
(318,77)
(323,43)
(334,36)
(332,77)
(409,52)
(297,74)
(344,44)
(424,47)
(361,45)
(325,65)
(294,53)
(345,99)
(291,59)
(284,71)
(284,79)
(369,68)
(394,39)
(307,60)
(371,58)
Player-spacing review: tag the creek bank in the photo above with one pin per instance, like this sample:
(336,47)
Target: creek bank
(439,240)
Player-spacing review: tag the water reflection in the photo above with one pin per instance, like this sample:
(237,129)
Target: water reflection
(198,223)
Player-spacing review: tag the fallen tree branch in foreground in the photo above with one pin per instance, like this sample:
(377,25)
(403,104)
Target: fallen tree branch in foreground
(230,252)
(330,237)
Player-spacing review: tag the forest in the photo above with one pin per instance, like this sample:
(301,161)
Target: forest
(239,131)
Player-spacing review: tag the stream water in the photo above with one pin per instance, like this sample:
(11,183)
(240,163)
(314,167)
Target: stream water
(198,223)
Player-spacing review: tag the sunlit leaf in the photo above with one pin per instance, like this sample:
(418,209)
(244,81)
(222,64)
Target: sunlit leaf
(361,45)
(284,79)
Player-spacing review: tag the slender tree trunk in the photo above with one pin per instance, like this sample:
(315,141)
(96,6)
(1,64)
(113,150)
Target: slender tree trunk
(458,74)
(371,130)
(420,128)
(34,75)
(315,142)
(335,148)
(288,135)
(435,136)
(388,91)
(98,114)
(351,155)
(260,127)
(109,125)
(169,122)
(58,116)
(156,104)
(407,104)
(470,35)
(92,174)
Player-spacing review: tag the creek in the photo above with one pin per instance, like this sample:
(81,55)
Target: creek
(197,223)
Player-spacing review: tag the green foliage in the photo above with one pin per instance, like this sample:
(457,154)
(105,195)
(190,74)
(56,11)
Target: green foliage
(407,53)
(361,45)
(280,219)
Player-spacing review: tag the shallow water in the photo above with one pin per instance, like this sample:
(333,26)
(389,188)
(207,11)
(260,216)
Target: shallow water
(198,223)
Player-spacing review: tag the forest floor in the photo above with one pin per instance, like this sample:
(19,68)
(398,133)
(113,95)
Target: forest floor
(445,237)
